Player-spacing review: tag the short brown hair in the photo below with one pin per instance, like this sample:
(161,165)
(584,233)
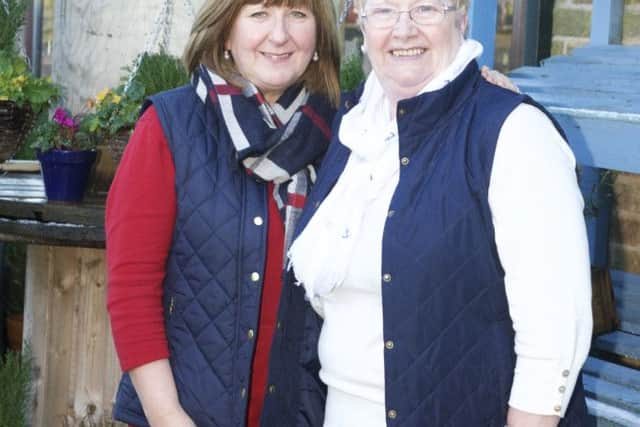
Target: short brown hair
(216,18)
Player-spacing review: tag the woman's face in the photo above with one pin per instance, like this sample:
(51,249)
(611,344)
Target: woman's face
(407,55)
(272,46)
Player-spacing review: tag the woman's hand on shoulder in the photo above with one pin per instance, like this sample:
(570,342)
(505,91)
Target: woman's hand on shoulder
(498,79)
(518,418)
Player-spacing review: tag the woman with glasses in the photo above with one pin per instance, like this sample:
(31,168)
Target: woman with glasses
(444,243)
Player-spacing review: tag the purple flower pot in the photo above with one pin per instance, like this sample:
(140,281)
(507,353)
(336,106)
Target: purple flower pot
(65,173)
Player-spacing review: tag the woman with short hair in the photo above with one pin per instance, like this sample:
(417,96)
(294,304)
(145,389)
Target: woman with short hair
(444,243)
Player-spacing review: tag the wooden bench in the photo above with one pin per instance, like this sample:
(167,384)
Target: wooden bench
(595,95)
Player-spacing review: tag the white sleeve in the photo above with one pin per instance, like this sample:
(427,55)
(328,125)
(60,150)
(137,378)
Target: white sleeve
(540,234)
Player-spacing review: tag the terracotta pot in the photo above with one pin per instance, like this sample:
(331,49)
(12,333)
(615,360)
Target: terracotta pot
(14,331)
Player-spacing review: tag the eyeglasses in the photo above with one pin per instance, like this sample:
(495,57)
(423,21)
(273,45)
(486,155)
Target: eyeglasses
(424,14)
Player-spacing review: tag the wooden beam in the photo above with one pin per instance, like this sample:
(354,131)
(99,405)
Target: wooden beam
(482,27)
(606,22)
(524,41)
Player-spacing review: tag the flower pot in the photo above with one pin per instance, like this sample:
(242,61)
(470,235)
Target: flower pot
(14,332)
(65,173)
(14,125)
(117,144)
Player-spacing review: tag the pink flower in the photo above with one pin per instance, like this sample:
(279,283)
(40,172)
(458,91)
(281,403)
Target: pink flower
(60,115)
(64,118)
(69,122)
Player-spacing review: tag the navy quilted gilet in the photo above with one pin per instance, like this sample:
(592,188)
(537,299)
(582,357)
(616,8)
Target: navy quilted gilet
(444,300)
(213,284)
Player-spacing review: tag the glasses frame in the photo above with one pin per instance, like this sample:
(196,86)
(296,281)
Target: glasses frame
(443,10)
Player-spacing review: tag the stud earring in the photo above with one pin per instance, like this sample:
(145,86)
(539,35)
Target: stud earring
(227,54)
(316,57)
(363,48)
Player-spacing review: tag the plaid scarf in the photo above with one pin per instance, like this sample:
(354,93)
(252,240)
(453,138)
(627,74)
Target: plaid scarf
(280,143)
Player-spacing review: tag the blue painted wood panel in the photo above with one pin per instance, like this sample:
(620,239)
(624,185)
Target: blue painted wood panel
(595,95)
(626,290)
(606,22)
(482,27)
(612,393)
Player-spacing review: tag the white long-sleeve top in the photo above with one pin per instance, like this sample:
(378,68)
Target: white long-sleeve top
(541,241)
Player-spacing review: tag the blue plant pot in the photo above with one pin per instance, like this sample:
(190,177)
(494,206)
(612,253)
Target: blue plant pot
(65,173)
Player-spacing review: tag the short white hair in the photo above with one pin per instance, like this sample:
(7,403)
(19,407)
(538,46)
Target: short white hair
(461,4)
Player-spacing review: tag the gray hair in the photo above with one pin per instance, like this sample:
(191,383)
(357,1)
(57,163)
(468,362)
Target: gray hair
(461,4)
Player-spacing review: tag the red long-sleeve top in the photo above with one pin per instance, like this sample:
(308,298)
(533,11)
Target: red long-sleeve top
(140,217)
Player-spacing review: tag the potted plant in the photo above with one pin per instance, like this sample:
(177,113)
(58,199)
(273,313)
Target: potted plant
(15,392)
(13,276)
(22,96)
(115,110)
(66,152)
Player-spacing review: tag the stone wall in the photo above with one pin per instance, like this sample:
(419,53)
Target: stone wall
(571,27)
(572,24)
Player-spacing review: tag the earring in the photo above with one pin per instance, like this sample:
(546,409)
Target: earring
(363,47)
(227,54)
(316,57)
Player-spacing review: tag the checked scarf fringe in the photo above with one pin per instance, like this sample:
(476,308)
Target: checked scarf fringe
(279,143)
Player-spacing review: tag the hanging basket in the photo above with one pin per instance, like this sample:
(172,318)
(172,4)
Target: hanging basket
(117,144)
(15,122)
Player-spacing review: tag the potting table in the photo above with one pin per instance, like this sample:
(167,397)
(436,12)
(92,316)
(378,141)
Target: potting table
(65,319)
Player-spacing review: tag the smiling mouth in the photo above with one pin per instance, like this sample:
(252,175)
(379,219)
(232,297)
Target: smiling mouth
(408,52)
(277,56)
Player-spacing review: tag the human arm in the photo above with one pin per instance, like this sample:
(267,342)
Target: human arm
(541,239)
(156,389)
(140,216)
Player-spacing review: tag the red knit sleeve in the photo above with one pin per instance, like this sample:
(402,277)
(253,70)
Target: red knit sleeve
(140,217)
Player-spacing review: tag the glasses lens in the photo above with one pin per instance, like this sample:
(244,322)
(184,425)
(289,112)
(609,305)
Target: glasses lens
(382,17)
(426,14)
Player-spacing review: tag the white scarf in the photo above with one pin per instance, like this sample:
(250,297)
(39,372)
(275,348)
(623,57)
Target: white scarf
(322,253)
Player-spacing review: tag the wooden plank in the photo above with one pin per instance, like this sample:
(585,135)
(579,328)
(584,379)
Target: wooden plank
(576,78)
(482,27)
(524,40)
(61,331)
(610,416)
(69,332)
(626,288)
(57,234)
(96,374)
(615,59)
(620,343)
(20,166)
(36,317)
(66,213)
(603,143)
(606,22)
(617,395)
(612,373)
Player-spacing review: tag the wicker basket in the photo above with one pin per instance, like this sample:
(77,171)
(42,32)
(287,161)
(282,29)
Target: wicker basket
(117,144)
(15,122)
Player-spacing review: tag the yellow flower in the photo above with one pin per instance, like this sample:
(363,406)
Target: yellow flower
(117,99)
(19,79)
(102,95)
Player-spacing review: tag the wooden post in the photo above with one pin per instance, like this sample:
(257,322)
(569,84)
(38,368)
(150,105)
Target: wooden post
(606,22)
(524,42)
(482,27)
(67,328)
